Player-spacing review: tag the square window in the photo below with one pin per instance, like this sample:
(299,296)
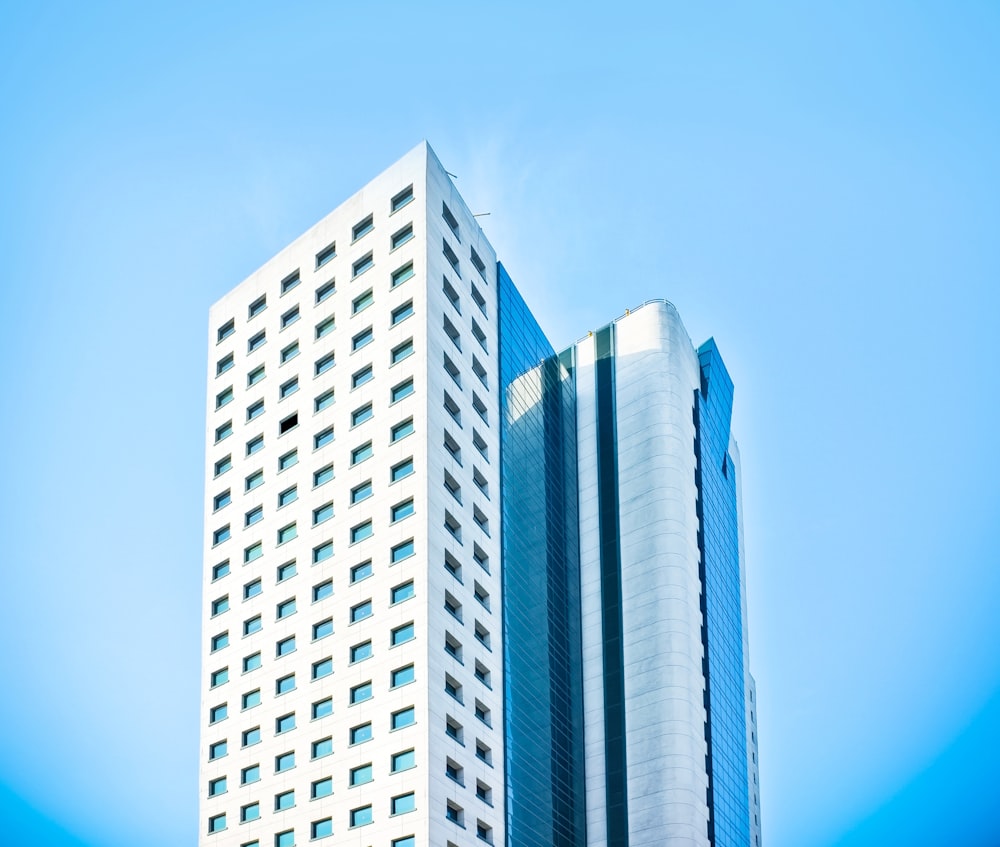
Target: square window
(321,439)
(285,839)
(322,708)
(322,668)
(361,377)
(326,254)
(479,263)
(323,513)
(321,828)
(401,313)
(224,364)
(250,774)
(321,788)
(402,351)
(362,339)
(289,282)
(324,364)
(289,495)
(223,465)
(221,534)
(322,629)
(219,641)
(221,605)
(362,302)
(217,823)
(285,646)
(403,198)
(359,416)
(250,699)
(402,634)
(401,430)
(402,551)
(223,397)
(257,341)
(285,684)
(253,552)
(255,445)
(217,750)
(361,571)
(361,775)
(450,219)
(255,479)
(324,401)
(449,254)
(255,410)
(288,460)
(365,263)
(402,470)
(361,532)
(251,737)
(402,676)
(361,492)
(220,570)
(403,761)
(253,516)
(286,571)
(361,734)
(322,552)
(402,274)
(285,609)
(400,237)
(404,389)
(361,816)
(224,431)
(359,454)
(290,352)
(325,291)
(258,306)
(323,475)
(289,388)
(360,652)
(361,611)
(362,228)
(227,329)
(285,800)
(360,693)
(401,592)
(404,717)
(252,589)
(402,510)
(408,841)
(252,625)
(321,748)
(325,327)
(290,317)
(219,677)
(284,723)
(251,662)
(404,803)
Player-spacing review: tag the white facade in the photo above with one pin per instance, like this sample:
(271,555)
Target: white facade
(288,555)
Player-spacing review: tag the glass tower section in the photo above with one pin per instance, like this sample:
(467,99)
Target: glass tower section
(543,694)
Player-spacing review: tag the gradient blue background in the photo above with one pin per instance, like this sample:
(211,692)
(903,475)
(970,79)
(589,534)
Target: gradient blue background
(816,185)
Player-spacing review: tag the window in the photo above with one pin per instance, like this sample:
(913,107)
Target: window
(453,729)
(401,313)
(322,591)
(321,439)
(482,595)
(360,693)
(323,513)
(408,841)
(322,668)
(449,219)
(257,341)
(455,813)
(482,673)
(221,534)
(481,482)
(360,652)
(289,282)
(325,291)
(454,771)
(402,551)
(285,839)
(361,816)
(323,401)
(454,489)
(452,646)
(481,558)
(479,263)
(480,300)
(322,629)
(481,520)
(285,800)
(362,302)
(227,329)
(251,662)
(285,609)
(402,470)
(220,570)
(326,254)
(449,254)
(402,510)
(361,571)
(223,397)
(483,635)
(221,605)
(452,606)
(483,752)
(361,611)
(404,389)
(484,831)
(362,339)
(285,684)
(250,774)
(401,351)
(284,762)
(363,264)
(402,634)
(258,306)
(255,444)
(361,532)
(223,431)
(252,589)
(322,708)
(290,352)
(250,699)
(219,641)
(362,733)
(479,406)
(223,465)
(479,371)
(453,526)
(362,228)
(361,774)
(452,370)
(287,533)
(361,492)
(219,677)
(217,750)
(401,275)
(480,444)
(452,408)
(325,327)
(255,479)
(482,712)
(288,460)
(452,295)
(224,364)
(289,495)
(321,788)
(324,364)
(404,717)
(361,377)
(323,475)
(403,761)
(255,410)
(402,676)
(400,237)
(322,552)
(359,454)
(217,823)
(404,803)
(252,625)
(321,828)
(401,199)
(452,332)
(401,430)
(253,516)
(477,331)
(284,723)
(401,592)
(453,687)
(359,416)
(251,737)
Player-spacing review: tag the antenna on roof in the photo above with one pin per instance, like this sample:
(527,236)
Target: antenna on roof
(481,215)
(453,176)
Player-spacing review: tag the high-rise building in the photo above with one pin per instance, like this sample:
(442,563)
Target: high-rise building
(460,588)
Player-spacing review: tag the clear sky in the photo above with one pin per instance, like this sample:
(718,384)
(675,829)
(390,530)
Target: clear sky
(815,185)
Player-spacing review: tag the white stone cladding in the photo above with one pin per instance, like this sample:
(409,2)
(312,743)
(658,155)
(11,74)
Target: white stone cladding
(477,592)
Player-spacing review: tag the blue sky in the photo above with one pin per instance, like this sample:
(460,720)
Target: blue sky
(815,185)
